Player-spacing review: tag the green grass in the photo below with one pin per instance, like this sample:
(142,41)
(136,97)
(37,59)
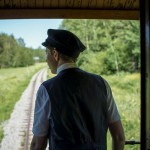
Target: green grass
(13,83)
(126,91)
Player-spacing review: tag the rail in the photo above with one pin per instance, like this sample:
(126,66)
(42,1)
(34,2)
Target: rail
(38,79)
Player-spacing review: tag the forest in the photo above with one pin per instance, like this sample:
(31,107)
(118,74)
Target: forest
(111,46)
(14,53)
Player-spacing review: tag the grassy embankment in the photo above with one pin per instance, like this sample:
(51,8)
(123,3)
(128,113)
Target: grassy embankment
(126,91)
(13,82)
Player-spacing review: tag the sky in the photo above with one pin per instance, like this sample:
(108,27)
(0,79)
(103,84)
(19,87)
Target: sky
(33,31)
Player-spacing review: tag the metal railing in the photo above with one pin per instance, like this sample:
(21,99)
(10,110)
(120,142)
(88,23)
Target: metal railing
(132,142)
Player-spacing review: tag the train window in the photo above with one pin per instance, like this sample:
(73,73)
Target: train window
(113,66)
(112,46)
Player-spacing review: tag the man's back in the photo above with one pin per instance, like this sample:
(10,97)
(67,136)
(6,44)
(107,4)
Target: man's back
(79,109)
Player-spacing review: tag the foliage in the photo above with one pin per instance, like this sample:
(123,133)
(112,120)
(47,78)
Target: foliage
(117,41)
(39,52)
(21,42)
(89,61)
(13,83)
(126,91)
(13,52)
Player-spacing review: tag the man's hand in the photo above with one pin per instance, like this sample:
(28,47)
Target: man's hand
(38,143)
(118,137)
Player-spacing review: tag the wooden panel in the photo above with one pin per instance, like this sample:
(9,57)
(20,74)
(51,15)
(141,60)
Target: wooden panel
(77,3)
(119,4)
(91,4)
(39,3)
(8,3)
(16,4)
(130,4)
(112,4)
(54,3)
(62,3)
(69,4)
(103,4)
(67,13)
(24,3)
(84,4)
(99,4)
(1,3)
(31,3)
(47,3)
(51,3)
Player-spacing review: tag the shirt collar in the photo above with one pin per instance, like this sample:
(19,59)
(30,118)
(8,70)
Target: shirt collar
(66,66)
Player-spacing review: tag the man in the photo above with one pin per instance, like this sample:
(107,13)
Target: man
(74,109)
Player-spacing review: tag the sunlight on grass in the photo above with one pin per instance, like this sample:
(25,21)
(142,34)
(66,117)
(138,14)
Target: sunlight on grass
(126,91)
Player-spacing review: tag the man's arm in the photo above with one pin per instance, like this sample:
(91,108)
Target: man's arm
(38,143)
(41,126)
(118,137)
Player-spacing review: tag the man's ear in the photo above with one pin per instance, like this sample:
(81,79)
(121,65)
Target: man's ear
(56,55)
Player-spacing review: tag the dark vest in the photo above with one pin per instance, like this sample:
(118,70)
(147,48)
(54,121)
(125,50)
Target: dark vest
(78,111)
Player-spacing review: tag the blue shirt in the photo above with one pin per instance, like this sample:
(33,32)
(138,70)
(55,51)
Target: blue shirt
(42,112)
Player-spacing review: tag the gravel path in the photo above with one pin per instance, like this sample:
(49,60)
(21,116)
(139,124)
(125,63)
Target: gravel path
(14,128)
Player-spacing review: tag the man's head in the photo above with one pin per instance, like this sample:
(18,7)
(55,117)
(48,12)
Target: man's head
(61,45)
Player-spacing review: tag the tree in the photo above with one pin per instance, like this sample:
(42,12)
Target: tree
(40,53)
(118,40)
(21,42)
(14,54)
(8,45)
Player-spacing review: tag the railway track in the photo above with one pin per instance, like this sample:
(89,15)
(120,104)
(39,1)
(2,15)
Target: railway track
(26,130)
(37,79)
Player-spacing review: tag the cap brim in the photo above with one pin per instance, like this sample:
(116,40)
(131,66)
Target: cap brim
(45,44)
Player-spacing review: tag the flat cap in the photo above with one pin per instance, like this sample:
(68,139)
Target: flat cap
(64,41)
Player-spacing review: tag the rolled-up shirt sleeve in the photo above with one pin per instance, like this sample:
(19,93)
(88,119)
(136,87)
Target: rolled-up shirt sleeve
(112,111)
(41,113)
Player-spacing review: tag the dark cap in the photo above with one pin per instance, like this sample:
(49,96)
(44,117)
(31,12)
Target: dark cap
(64,41)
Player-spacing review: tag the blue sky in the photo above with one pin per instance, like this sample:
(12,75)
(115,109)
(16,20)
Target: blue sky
(33,31)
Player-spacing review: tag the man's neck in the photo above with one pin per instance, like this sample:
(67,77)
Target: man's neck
(66,65)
